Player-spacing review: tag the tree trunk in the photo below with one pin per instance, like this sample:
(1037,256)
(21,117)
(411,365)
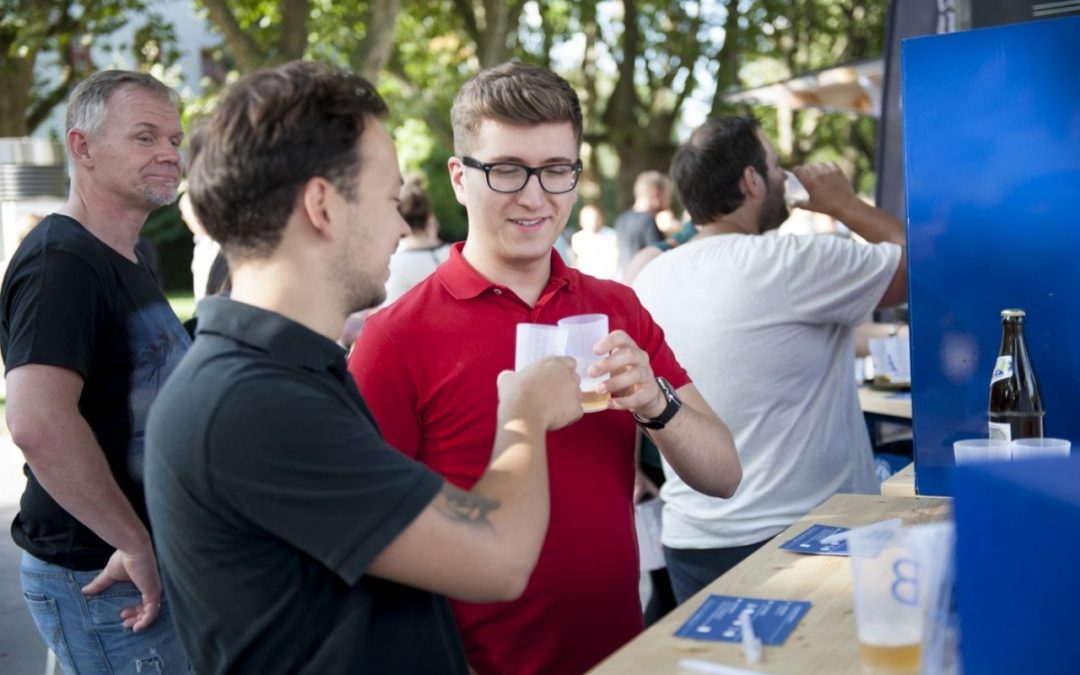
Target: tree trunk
(591,179)
(242,47)
(727,76)
(374,51)
(16,79)
(500,18)
(292,41)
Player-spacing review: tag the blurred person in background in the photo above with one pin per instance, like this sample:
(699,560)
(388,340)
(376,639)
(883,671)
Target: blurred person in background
(419,252)
(595,245)
(204,252)
(636,227)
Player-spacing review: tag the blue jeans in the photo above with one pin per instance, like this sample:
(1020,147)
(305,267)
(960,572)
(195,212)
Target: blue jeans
(86,632)
(692,569)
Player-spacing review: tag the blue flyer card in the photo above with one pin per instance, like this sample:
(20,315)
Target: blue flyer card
(716,619)
(809,541)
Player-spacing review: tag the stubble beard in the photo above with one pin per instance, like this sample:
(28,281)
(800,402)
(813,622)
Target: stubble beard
(774,211)
(359,292)
(160,196)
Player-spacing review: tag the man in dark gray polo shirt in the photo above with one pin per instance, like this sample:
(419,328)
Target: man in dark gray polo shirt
(291,537)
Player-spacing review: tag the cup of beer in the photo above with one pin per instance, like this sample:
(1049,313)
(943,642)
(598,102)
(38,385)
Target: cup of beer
(585,330)
(889,598)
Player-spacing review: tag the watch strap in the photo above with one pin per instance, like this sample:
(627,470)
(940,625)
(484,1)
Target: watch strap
(674,404)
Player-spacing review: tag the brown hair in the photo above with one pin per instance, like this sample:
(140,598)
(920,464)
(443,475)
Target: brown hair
(648,182)
(414,205)
(513,93)
(272,132)
(707,168)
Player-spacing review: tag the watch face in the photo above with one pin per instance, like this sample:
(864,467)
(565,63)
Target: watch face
(669,392)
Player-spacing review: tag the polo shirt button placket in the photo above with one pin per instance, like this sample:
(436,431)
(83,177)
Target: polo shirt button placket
(498,291)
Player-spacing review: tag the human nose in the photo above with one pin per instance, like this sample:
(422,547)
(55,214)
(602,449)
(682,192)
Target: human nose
(168,153)
(532,193)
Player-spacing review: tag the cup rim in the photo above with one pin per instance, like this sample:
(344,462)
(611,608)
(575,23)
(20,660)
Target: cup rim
(981,442)
(1042,442)
(540,327)
(581,319)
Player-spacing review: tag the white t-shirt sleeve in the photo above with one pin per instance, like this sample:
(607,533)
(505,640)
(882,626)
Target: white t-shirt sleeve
(834,280)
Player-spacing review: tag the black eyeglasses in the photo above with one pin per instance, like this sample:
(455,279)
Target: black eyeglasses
(509,177)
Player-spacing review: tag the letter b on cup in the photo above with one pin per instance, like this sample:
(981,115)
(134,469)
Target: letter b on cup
(905,585)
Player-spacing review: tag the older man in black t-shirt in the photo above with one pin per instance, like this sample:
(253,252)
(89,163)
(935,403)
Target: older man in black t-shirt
(88,339)
(292,538)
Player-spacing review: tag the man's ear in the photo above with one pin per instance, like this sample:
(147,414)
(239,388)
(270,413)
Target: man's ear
(314,200)
(78,147)
(457,178)
(751,183)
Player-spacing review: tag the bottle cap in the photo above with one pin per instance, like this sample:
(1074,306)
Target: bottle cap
(1011,313)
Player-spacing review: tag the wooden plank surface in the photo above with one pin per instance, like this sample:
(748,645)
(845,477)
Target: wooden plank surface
(901,483)
(824,642)
(885,402)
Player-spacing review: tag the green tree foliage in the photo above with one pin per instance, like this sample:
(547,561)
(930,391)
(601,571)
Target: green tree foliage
(803,36)
(45,50)
(644,68)
(636,63)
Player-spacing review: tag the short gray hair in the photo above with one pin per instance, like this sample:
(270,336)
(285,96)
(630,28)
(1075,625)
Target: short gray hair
(86,104)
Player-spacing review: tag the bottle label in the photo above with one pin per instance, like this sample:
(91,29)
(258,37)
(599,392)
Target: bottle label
(1001,430)
(1003,369)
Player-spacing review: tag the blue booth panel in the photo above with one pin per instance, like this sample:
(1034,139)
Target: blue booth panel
(1017,584)
(992,141)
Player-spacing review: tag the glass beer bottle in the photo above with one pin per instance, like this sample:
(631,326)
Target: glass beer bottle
(1016,406)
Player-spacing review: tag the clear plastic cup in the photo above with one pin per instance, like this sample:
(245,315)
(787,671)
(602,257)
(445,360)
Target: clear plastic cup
(585,330)
(536,341)
(889,598)
(794,191)
(1033,448)
(976,450)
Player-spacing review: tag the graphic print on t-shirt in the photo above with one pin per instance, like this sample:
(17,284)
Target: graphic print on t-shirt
(158,342)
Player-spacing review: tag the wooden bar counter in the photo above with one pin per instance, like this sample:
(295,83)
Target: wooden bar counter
(901,483)
(824,642)
(886,404)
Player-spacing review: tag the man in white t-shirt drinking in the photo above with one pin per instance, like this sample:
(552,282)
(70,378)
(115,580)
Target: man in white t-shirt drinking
(766,325)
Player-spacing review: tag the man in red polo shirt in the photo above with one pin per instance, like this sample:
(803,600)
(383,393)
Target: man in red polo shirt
(439,348)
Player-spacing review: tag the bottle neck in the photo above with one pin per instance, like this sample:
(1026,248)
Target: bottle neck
(1012,336)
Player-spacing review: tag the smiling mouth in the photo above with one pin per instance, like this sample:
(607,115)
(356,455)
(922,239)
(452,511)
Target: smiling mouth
(528,223)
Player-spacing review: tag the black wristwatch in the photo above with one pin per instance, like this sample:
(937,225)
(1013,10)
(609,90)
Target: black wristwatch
(674,404)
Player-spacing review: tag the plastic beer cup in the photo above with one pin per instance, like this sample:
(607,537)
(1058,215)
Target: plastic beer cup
(585,330)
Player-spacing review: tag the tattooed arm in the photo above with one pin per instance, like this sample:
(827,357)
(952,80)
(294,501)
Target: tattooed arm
(482,545)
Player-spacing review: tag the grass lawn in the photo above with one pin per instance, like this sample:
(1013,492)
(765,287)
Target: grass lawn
(183,303)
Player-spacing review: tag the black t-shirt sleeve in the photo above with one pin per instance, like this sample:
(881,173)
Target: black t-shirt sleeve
(54,309)
(650,233)
(313,471)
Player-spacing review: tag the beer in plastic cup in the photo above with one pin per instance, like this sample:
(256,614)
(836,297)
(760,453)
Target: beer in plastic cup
(889,601)
(585,330)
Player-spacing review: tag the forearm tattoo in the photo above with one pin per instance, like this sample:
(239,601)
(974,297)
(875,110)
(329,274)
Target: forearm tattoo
(465,507)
